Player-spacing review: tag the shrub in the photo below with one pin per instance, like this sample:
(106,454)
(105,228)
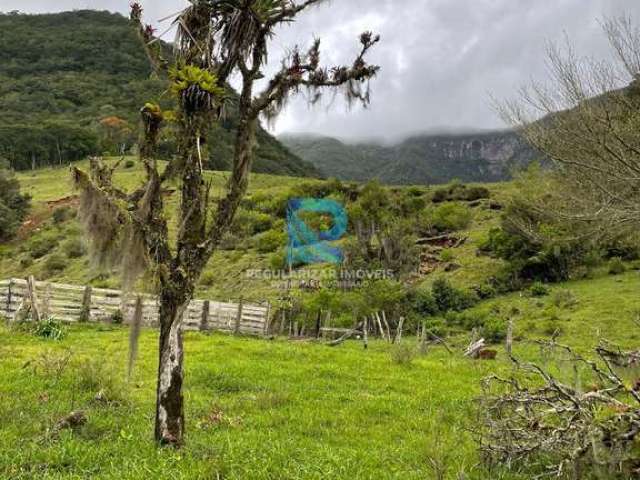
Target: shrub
(538,289)
(494,330)
(551,327)
(117,318)
(416,191)
(467,320)
(435,326)
(62,214)
(451,217)
(485,291)
(74,248)
(616,266)
(564,298)
(13,205)
(26,261)
(402,354)
(208,279)
(54,264)
(270,241)
(50,329)
(447,297)
(129,164)
(41,245)
(425,304)
(447,255)
(96,378)
(230,241)
(460,192)
(278,260)
(248,223)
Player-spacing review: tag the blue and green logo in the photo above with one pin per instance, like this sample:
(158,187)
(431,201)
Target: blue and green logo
(308,245)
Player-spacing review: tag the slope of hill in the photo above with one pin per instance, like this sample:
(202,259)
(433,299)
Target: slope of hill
(51,243)
(421,159)
(71,84)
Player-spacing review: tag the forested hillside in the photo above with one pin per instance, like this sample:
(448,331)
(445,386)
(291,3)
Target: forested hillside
(421,159)
(71,84)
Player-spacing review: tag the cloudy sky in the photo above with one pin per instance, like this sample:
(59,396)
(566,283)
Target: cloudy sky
(441,59)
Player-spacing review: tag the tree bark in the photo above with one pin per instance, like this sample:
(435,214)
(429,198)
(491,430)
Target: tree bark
(170,402)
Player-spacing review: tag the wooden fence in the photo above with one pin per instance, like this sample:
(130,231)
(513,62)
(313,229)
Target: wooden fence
(71,303)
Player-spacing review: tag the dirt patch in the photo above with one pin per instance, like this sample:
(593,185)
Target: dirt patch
(42,213)
(70,201)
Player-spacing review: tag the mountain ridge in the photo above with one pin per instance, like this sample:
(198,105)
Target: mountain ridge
(428,158)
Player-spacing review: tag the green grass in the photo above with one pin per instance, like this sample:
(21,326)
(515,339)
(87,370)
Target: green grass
(255,408)
(264,409)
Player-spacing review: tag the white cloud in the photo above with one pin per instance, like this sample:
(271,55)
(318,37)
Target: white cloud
(439,58)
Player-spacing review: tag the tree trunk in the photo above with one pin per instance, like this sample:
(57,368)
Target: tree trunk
(169,403)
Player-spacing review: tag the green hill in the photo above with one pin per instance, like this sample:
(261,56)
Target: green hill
(71,85)
(421,159)
(45,245)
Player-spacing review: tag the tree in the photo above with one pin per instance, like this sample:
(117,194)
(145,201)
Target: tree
(215,39)
(13,204)
(587,122)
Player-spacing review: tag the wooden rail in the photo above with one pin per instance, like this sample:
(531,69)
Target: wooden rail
(72,303)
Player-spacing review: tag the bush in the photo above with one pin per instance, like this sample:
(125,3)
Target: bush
(425,304)
(55,264)
(270,241)
(249,223)
(129,164)
(436,326)
(451,217)
(617,266)
(447,255)
(98,379)
(402,354)
(494,330)
(278,260)
(50,329)
(26,261)
(117,318)
(208,279)
(460,192)
(538,289)
(62,214)
(448,298)
(564,298)
(74,248)
(41,245)
(230,241)
(485,291)
(13,205)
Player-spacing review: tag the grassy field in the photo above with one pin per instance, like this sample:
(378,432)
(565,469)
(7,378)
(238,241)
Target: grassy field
(274,409)
(269,409)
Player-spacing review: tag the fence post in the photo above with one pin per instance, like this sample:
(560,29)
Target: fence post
(33,298)
(85,313)
(9,299)
(238,318)
(267,320)
(46,300)
(204,321)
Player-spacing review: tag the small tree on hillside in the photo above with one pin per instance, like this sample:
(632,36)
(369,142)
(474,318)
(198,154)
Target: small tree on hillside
(216,38)
(13,204)
(587,122)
